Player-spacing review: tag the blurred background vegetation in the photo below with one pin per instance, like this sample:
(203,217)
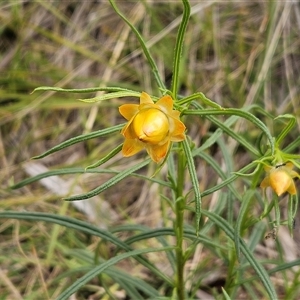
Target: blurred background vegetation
(238,53)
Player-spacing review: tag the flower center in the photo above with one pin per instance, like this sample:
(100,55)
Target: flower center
(151,125)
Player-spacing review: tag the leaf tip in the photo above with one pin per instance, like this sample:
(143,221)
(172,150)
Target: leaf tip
(35,157)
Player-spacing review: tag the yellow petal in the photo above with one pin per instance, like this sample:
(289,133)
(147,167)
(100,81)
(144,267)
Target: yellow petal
(177,138)
(128,132)
(265,183)
(289,165)
(145,98)
(175,114)
(128,111)
(156,152)
(280,181)
(292,188)
(294,174)
(166,103)
(176,127)
(131,147)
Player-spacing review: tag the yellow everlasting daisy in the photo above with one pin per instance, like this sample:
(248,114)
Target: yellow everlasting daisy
(152,126)
(280,179)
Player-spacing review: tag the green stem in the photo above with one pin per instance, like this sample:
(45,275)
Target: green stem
(179,211)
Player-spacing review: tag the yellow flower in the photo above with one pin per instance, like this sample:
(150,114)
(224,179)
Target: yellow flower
(152,126)
(280,179)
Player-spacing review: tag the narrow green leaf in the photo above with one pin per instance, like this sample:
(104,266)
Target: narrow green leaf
(149,234)
(87,90)
(121,277)
(228,180)
(236,112)
(295,200)
(216,166)
(257,233)
(286,129)
(66,222)
(293,145)
(285,266)
(292,212)
(200,96)
(225,294)
(261,272)
(81,171)
(106,158)
(246,200)
(80,138)
(112,96)
(45,175)
(227,156)
(194,179)
(188,234)
(280,268)
(99,269)
(277,211)
(291,157)
(225,127)
(112,181)
(179,46)
(146,51)
(84,227)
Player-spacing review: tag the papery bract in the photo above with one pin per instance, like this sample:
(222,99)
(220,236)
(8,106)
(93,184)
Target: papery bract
(280,179)
(152,126)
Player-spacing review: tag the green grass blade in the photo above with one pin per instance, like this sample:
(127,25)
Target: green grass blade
(99,269)
(80,138)
(84,227)
(109,183)
(106,158)
(158,233)
(261,272)
(146,51)
(194,179)
(225,294)
(179,47)
(66,222)
(130,283)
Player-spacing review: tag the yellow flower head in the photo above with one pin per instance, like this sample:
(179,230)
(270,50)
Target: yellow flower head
(152,126)
(280,179)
